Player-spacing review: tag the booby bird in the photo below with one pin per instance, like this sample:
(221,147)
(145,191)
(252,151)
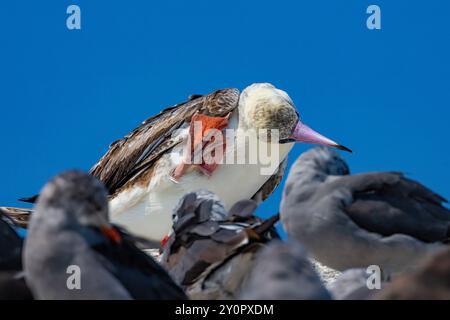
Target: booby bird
(354,221)
(282,271)
(146,171)
(70,231)
(211,250)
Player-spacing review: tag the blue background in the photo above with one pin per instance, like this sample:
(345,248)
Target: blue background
(65,95)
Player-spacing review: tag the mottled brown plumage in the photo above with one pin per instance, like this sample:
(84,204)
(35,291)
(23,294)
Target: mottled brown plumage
(133,155)
(19,216)
(137,170)
(130,161)
(211,251)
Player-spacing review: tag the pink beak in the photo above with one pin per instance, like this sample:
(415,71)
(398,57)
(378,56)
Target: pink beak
(303,133)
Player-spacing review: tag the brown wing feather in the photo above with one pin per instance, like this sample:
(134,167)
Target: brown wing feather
(198,247)
(20,216)
(135,153)
(269,187)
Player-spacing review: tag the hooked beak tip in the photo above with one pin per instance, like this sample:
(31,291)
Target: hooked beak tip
(344,148)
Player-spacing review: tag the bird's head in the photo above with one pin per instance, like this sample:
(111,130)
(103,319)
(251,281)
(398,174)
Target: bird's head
(263,106)
(76,197)
(323,160)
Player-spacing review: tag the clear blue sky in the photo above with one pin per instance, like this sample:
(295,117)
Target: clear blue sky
(65,95)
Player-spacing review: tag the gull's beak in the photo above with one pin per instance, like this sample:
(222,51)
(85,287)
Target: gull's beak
(303,133)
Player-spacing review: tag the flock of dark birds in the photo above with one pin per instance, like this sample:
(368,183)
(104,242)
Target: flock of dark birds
(347,222)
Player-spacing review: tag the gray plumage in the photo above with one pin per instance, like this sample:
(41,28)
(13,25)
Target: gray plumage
(282,271)
(210,250)
(67,230)
(352,285)
(353,221)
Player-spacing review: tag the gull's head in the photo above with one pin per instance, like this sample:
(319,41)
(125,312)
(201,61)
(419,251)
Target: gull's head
(264,107)
(74,197)
(323,160)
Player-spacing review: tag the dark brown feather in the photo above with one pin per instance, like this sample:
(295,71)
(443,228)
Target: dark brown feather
(200,249)
(388,203)
(132,155)
(271,184)
(19,216)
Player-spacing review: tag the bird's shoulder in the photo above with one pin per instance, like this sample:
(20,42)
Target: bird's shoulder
(136,152)
(390,203)
(390,183)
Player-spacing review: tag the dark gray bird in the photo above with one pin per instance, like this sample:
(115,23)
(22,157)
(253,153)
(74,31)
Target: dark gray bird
(353,221)
(12,282)
(210,250)
(282,271)
(70,236)
(431,281)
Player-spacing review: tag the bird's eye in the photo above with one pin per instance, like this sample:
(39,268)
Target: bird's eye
(97,207)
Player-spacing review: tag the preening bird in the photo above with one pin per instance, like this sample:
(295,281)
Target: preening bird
(353,221)
(211,251)
(73,252)
(146,171)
